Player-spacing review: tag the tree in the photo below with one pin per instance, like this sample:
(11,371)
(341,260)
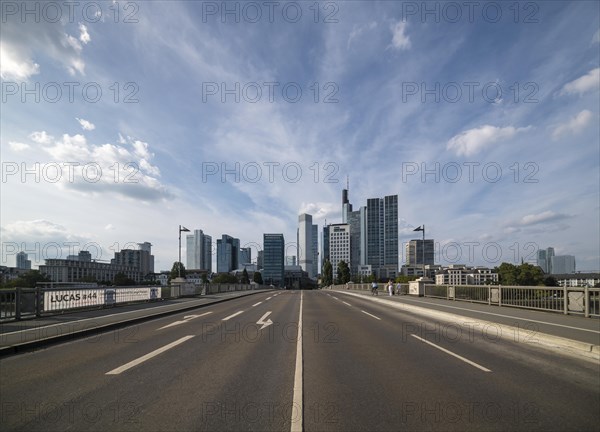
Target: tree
(28,280)
(524,274)
(258,278)
(225,278)
(175,270)
(121,279)
(550,281)
(245,278)
(327,278)
(343,273)
(405,279)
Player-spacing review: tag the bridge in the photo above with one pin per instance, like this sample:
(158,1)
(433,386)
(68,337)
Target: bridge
(325,360)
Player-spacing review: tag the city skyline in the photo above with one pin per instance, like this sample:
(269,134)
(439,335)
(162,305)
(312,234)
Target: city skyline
(495,150)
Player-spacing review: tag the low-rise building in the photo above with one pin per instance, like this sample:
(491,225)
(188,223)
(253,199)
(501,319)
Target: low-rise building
(458,274)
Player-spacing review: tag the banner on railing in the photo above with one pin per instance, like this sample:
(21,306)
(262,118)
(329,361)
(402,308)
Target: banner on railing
(70,299)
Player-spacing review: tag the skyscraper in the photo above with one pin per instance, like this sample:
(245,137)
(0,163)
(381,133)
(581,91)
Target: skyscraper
(382,235)
(228,250)
(23,262)
(563,264)
(306,252)
(199,251)
(315,250)
(544,259)
(273,259)
(414,252)
(245,256)
(339,245)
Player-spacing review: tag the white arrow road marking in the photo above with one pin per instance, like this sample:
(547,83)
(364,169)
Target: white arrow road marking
(148,356)
(263,322)
(185,319)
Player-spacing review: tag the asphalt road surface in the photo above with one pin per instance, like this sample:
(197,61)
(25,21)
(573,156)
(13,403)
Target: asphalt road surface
(239,365)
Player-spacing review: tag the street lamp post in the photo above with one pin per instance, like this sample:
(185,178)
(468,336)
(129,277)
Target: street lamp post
(422,228)
(179,262)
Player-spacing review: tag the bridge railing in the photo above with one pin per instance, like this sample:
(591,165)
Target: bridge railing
(22,303)
(567,300)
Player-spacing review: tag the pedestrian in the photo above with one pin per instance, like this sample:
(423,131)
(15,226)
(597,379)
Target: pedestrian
(374,288)
(390,288)
(398,288)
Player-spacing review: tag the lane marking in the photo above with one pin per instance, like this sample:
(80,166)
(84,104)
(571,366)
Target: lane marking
(233,315)
(346,303)
(298,420)
(268,298)
(256,304)
(186,318)
(472,363)
(148,356)
(506,316)
(264,323)
(371,315)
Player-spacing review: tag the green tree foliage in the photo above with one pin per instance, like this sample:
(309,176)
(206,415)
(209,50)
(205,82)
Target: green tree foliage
(122,280)
(550,281)
(27,280)
(225,278)
(524,274)
(327,277)
(343,273)
(258,278)
(245,277)
(405,279)
(175,270)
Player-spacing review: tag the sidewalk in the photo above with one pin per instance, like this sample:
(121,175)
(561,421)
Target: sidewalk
(16,336)
(554,329)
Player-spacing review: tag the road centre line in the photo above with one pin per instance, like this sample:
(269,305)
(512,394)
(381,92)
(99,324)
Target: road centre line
(233,315)
(148,356)
(472,363)
(297,419)
(256,304)
(346,303)
(371,315)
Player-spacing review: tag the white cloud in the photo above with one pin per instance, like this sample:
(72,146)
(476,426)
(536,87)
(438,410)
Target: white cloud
(586,83)
(23,41)
(17,146)
(574,125)
(472,141)
(41,137)
(358,30)
(544,217)
(14,66)
(596,38)
(109,227)
(400,40)
(84,36)
(86,125)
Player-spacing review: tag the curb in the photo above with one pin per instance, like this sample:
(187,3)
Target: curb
(504,331)
(9,350)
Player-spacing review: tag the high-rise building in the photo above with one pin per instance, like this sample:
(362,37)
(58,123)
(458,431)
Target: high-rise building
(339,245)
(140,259)
(325,245)
(306,252)
(260,259)
(315,250)
(199,251)
(414,252)
(245,256)
(228,250)
(23,262)
(382,235)
(563,264)
(544,260)
(273,259)
(290,260)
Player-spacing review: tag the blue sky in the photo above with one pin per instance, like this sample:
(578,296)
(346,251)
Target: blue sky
(482,118)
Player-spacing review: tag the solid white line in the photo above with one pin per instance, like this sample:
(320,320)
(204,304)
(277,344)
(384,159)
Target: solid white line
(148,356)
(268,298)
(297,408)
(472,363)
(231,316)
(256,304)
(346,303)
(371,315)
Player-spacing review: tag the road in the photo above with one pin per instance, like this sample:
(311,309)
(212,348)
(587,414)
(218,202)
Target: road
(239,365)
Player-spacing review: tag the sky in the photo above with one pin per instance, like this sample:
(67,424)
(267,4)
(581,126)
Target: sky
(121,121)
